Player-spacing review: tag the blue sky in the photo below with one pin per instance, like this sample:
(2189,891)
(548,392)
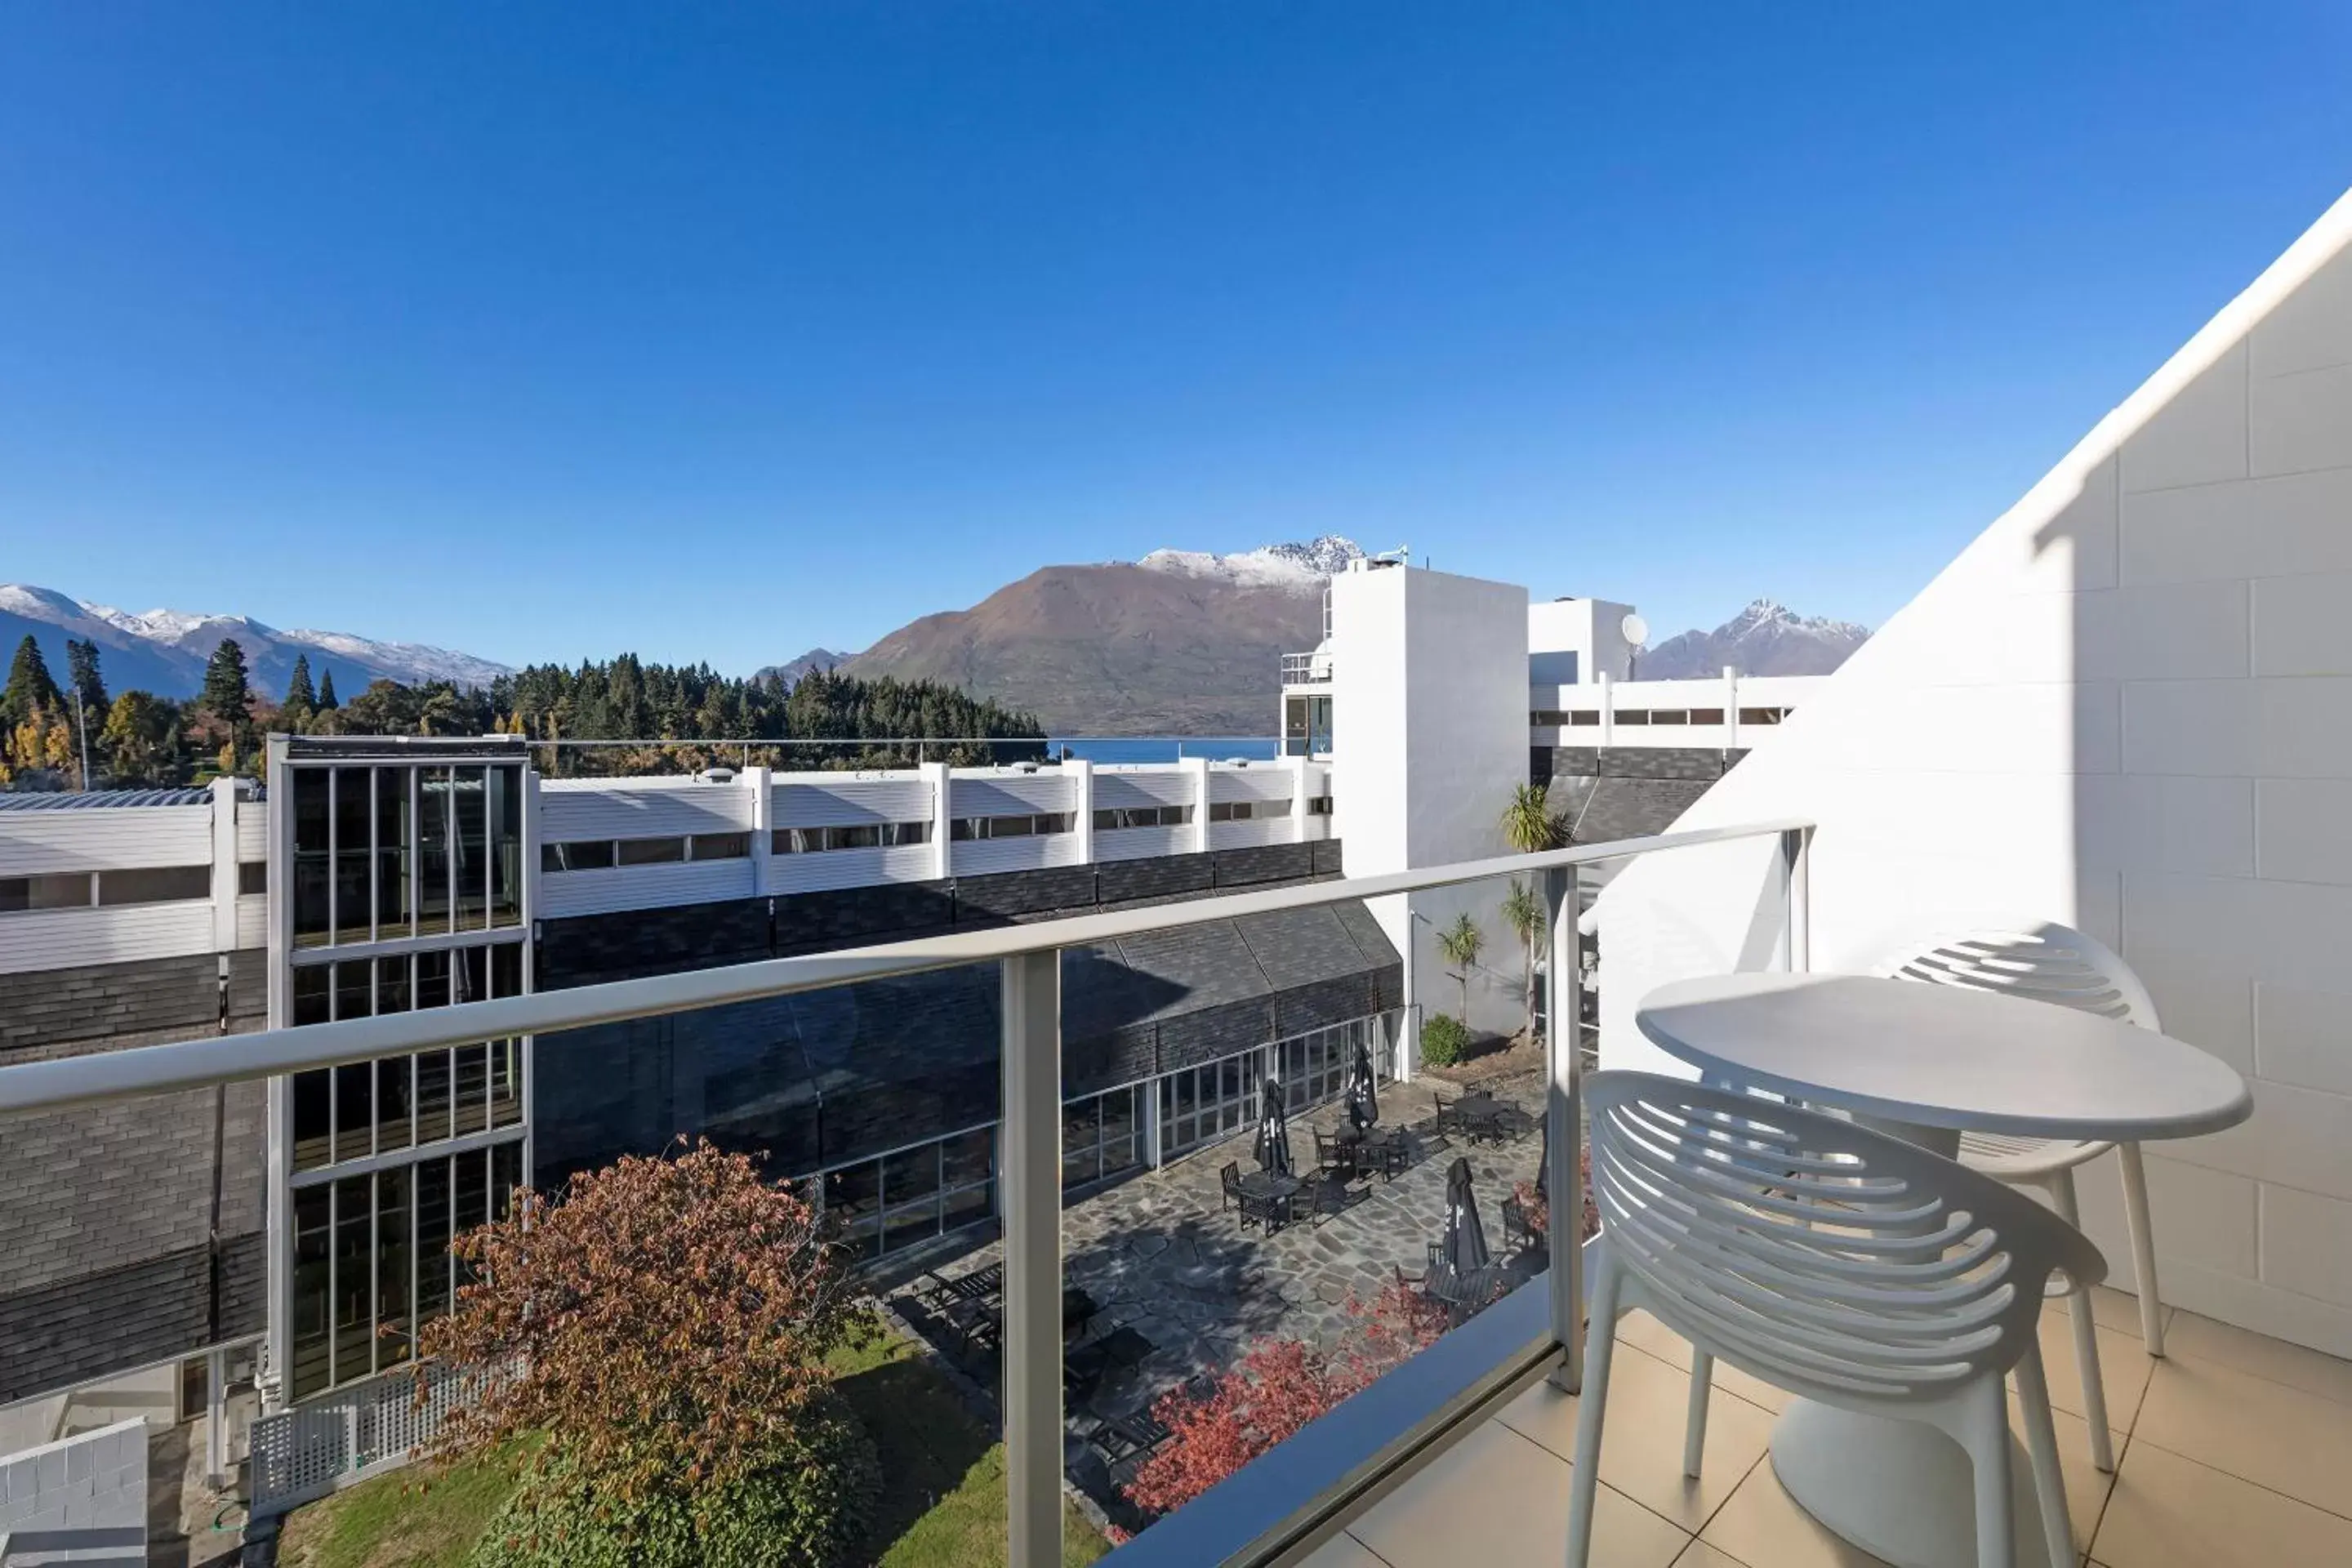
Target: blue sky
(718,331)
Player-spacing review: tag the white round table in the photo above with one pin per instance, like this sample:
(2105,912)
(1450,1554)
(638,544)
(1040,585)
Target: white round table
(1925,1063)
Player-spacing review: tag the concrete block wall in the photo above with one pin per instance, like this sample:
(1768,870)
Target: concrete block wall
(2128,705)
(80,1501)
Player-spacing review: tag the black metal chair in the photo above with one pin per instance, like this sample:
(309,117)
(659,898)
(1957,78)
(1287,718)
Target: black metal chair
(1517,1234)
(1333,1157)
(1229,1180)
(1262,1209)
(1444,1119)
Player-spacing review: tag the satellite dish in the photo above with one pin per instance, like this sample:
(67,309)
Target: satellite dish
(1636,629)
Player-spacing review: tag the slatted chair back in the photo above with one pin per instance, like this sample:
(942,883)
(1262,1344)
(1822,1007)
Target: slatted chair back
(2038,960)
(1826,1258)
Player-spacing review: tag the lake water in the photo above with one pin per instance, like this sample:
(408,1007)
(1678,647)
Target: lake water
(1166,748)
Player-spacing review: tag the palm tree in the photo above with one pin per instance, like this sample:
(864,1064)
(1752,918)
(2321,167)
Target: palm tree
(1530,824)
(1523,913)
(1459,944)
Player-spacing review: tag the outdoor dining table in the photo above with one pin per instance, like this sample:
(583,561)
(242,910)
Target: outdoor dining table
(1925,1063)
(1380,1148)
(1276,1189)
(1479,1114)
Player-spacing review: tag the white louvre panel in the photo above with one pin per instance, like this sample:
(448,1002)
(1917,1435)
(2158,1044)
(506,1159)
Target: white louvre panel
(32,940)
(850,869)
(253,921)
(982,856)
(1250,783)
(1165,787)
(1250,834)
(252,834)
(105,838)
(603,892)
(853,803)
(573,810)
(1014,795)
(1135,843)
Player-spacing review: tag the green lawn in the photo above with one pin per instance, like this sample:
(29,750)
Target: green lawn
(942,1502)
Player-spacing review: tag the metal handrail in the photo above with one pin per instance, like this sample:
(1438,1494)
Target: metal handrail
(1029,1138)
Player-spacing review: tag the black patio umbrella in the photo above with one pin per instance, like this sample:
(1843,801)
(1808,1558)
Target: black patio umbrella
(1363,1096)
(1543,1162)
(1273,1130)
(1465,1238)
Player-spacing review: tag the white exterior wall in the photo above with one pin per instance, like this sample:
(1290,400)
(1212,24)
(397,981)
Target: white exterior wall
(80,1501)
(125,837)
(1430,679)
(2128,705)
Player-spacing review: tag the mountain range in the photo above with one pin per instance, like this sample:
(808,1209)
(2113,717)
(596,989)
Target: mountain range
(163,651)
(1179,642)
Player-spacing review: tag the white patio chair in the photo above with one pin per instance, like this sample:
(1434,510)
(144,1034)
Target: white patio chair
(2045,962)
(1831,1260)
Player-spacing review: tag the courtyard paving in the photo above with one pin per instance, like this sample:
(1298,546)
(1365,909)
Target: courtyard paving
(1161,1256)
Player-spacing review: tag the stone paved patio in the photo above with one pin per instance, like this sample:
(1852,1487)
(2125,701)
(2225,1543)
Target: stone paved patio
(1162,1257)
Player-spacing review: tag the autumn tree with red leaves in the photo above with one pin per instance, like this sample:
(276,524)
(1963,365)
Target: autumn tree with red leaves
(662,1325)
(1279,1386)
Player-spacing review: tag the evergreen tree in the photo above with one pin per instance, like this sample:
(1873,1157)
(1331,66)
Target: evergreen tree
(327,703)
(225,691)
(298,685)
(82,674)
(30,688)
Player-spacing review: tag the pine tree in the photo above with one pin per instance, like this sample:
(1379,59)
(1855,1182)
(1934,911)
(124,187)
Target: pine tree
(327,703)
(83,675)
(225,691)
(301,700)
(30,688)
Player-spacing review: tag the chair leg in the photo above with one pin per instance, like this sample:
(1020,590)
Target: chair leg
(1702,1377)
(2042,1448)
(1987,1422)
(2143,1245)
(2086,1339)
(1584,1477)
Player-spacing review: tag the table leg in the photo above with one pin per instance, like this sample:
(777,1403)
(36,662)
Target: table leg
(1901,1490)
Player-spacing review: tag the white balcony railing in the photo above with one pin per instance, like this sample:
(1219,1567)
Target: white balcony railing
(1274,1507)
(1307,669)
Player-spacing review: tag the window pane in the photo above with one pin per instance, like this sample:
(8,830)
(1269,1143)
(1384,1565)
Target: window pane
(721,846)
(354,990)
(394,1099)
(148,886)
(393,1252)
(434,828)
(355,1111)
(968,1206)
(506,846)
(911,1175)
(471,1173)
(506,1082)
(651,851)
(473,1089)
(506,1175)
(354,1283)
(964,1158)
(312,1232)
(506,969)
(906,1226)
(849,1194)
(470,975)
(354,901)
(1011,826)
(392,852)
(311,1001)
(1122,1130)
(432,1108)
(473,848)
(310,862)
(432,979)
(432,1238)
(314,1130)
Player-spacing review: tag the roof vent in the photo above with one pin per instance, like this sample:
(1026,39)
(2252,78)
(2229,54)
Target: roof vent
(715,775)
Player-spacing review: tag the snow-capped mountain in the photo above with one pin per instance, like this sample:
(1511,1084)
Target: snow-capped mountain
(165,651)
(1764,638)
(1291,565)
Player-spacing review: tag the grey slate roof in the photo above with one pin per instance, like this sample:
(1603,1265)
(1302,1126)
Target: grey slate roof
(97,799)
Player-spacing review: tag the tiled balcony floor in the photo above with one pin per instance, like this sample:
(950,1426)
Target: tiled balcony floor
(2234,1451)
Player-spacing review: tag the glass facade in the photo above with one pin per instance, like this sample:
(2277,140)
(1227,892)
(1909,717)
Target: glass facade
(387,852)
(387,1160)
(1199,1105)
(1102,1135)
(913,1194)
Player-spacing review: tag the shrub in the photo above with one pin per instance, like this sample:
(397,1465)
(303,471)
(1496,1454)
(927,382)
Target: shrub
(1444,1041)
(807,1504)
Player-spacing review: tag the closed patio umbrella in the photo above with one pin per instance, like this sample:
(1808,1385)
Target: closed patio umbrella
(1465,1238)
(1273,1130)
(1363,1095)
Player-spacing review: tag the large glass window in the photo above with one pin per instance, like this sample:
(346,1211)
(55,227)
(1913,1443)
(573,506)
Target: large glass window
(435,831)
(154,885)
(468,798)
(313,1242)
(506,846)
(395,884)
(313,868)
(352,793)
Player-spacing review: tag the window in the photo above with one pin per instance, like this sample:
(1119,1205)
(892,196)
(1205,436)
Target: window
(1707,716)
(1670,716)
(1142,817)
(1548,715)
(651,851)
(965,829)
(1248,810)
(68,891)
(1633,716)
(1318,805)
(720,847)
(1587,716)
(154,885)
(594,855)
(252,877)
(1761,715)
(859,835)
